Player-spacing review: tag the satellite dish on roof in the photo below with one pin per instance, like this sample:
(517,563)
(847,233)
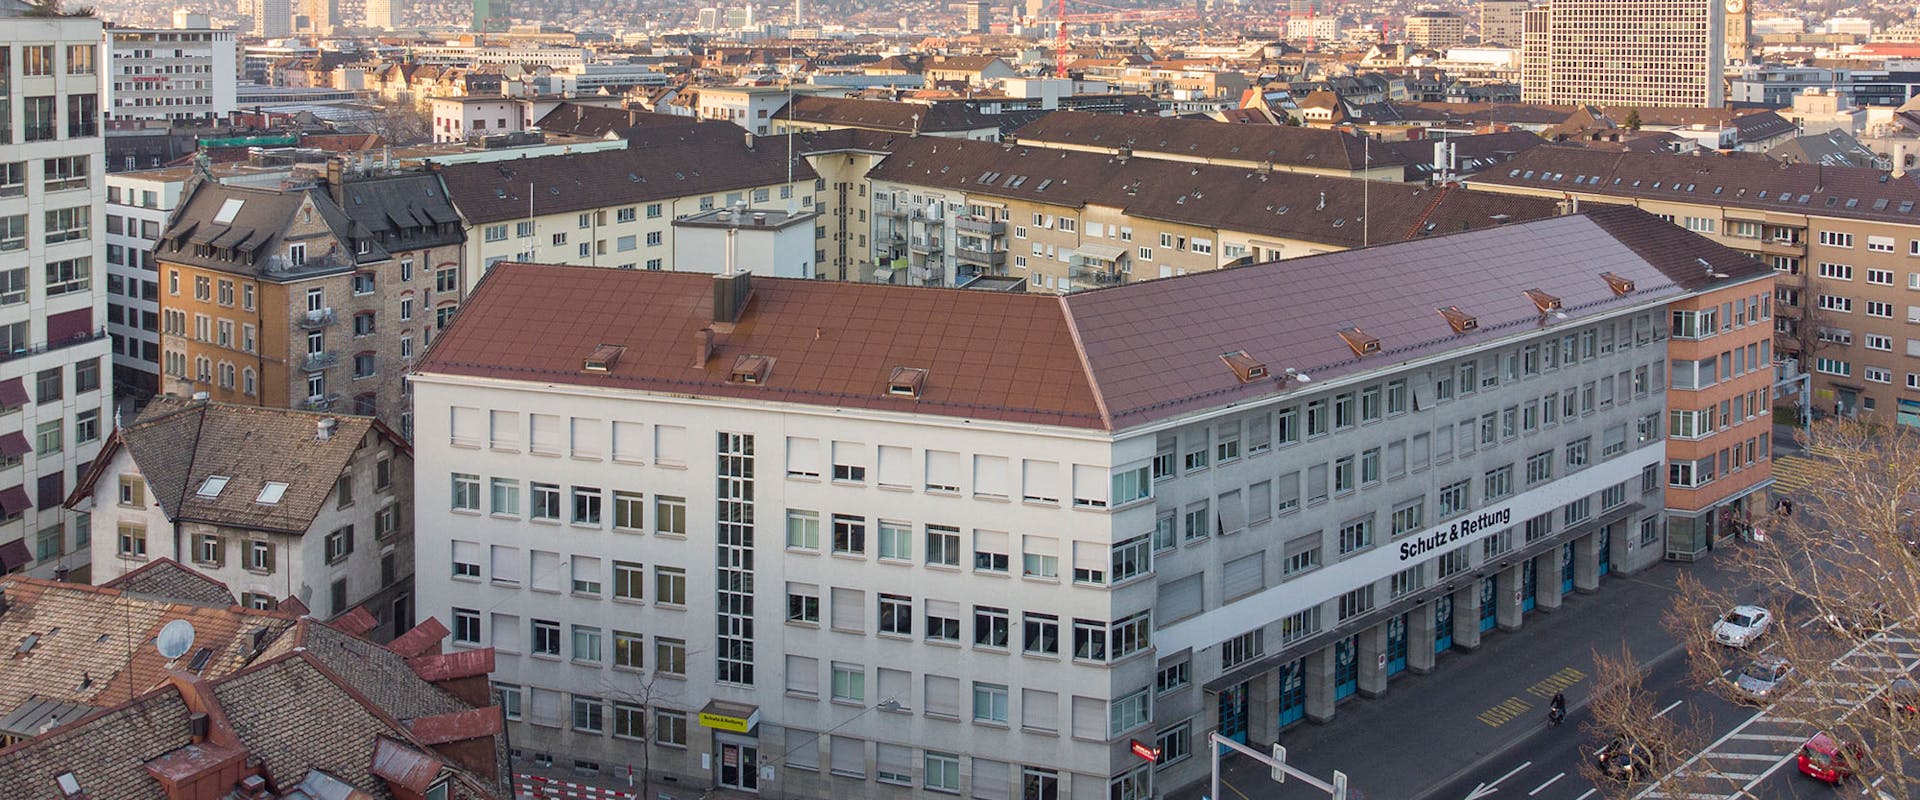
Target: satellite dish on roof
(174,639)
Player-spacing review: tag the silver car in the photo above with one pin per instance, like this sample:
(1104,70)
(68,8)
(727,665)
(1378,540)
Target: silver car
(1758,680)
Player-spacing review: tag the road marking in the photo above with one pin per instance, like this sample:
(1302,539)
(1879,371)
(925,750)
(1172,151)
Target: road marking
(1486,789)
(1748,756)
(1556,683)
(1770,737)
(1236,789)
(1504,712)
(1663,712)
(1550,782)
(1587,794)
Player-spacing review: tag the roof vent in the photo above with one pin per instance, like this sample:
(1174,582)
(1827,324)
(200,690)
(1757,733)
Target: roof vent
(907,382)
(1545,302)
(1460,321)
(1363,344)
(1620,286)
(1244,366)
(323,429)
(750,369)
(602,359)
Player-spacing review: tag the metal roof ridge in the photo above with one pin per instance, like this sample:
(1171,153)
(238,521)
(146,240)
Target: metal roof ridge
(1086,364)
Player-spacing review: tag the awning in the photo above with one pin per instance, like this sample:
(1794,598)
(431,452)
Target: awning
(722,715)
(1101,252)
(14,555)
(14,445)
(14,500)
(13,393)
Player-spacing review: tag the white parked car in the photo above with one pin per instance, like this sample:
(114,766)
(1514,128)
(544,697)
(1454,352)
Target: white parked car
(1742,625)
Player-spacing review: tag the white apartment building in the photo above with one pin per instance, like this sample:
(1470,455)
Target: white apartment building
(526,55)
(54,392)
(269,18)
(273,503)
(780,534)
(616,208)
(385,15)
(138,204)
(1660,53)
(171,73)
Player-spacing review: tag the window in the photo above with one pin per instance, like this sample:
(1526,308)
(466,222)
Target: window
(1040,557)
(670,515)
(339,545)
(943,622)
(990,551)
(1356,602)
(629,581)
(546,638)
(586,506)
(991,627)
(1836,239)
(1131,558)
(943,546)
(670,585)
(849,535)
(1356,535)
(1539,467)
(803,530)
(1175,676)
(942,773)
(1040,634)
(586,644)
(670,658)
(1243,648)
(1577,453)
(133,540)
(990,703)
(546,501)
(1129,711)
(1498,484)
(1830,302)
(849,683)
(1302,555)
(896,540)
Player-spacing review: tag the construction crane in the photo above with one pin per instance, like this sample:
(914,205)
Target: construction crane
(1107,14)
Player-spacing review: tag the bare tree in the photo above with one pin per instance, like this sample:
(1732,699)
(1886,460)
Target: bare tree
(401,123)
(1643,745)
(646,692)
(1841,574)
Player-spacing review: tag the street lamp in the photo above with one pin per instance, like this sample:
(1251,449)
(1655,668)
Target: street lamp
(1277,762)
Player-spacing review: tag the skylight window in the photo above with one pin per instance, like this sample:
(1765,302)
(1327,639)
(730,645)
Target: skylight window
(229,210)
(271,493)
(212,486)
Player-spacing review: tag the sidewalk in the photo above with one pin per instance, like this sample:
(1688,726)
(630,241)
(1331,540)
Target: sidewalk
(1427,729)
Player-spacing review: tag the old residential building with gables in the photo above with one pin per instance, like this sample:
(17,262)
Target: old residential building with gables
(313,293)
(273,503)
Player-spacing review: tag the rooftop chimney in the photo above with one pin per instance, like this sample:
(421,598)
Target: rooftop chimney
(323,429)
(760,218)
(730,295)
(702,347)
(197,726)
(749,140)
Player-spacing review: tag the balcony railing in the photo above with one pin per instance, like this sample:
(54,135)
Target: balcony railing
(928,246)
(890,211)
(981,225)
(42,347)
(1099,275)
(317,319)
(319,361)
(996,259)
(320,402)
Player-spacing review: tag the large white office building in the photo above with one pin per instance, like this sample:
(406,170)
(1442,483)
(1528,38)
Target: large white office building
(853,540)
(54,391)
(1659,53)
(179,73)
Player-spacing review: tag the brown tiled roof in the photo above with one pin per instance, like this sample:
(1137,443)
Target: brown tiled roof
(832,343)
(457,664)
(107,752)
(1280,145)
(167,579)
(178,444)
(84,636)
(457,726)
(376,672)
(598,121)
(1108,359)
(1336,211)
(1711,179)
(944,117)
(659,162)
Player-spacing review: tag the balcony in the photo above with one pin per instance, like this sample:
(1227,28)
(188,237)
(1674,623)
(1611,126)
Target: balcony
(929,246)
(320,402)
(319,361)
(889,211)
(316,319)
(991,259)
(42,347)
(1095,274)
(1783,247)
(981,225)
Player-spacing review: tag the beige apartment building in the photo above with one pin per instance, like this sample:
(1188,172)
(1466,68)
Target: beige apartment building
(1844,244)
(1275,148)
(1626,52)
(945,211)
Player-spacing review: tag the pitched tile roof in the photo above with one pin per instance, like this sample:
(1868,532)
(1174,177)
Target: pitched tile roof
(167,579)
(179,444)
(1283,146)
(1713,179)
(1329,210)
(944,117)
(1108,359)
(658,163)
(72,642)
(600,121)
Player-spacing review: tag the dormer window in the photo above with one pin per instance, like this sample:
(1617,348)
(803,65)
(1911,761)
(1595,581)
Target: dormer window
(1245,367)
(602,359)
(907,382)
(1460,321)
(751,370)
(212,486)
(1621,286)
(271,493)
(1545,302)
(1363,344)
(362,246)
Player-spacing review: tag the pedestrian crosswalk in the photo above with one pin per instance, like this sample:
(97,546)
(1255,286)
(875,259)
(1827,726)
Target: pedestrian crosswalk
(1793,473)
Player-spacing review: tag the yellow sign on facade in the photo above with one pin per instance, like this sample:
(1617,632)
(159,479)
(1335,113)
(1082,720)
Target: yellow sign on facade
(721,721)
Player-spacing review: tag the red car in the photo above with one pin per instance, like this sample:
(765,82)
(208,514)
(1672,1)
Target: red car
(1830,760)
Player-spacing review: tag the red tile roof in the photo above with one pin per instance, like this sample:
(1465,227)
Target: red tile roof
(1108,359)
(447,666)
(458,726)
(425,637)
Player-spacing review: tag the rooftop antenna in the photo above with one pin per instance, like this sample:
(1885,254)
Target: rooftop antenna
(1711,273)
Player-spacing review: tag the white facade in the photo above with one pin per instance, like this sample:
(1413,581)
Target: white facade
(171,73)
(271,18)
(385,15)
(1032,598)
(137,207)
(52,347)
(750,107)
(526,55)
(456,117)
(760,241)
